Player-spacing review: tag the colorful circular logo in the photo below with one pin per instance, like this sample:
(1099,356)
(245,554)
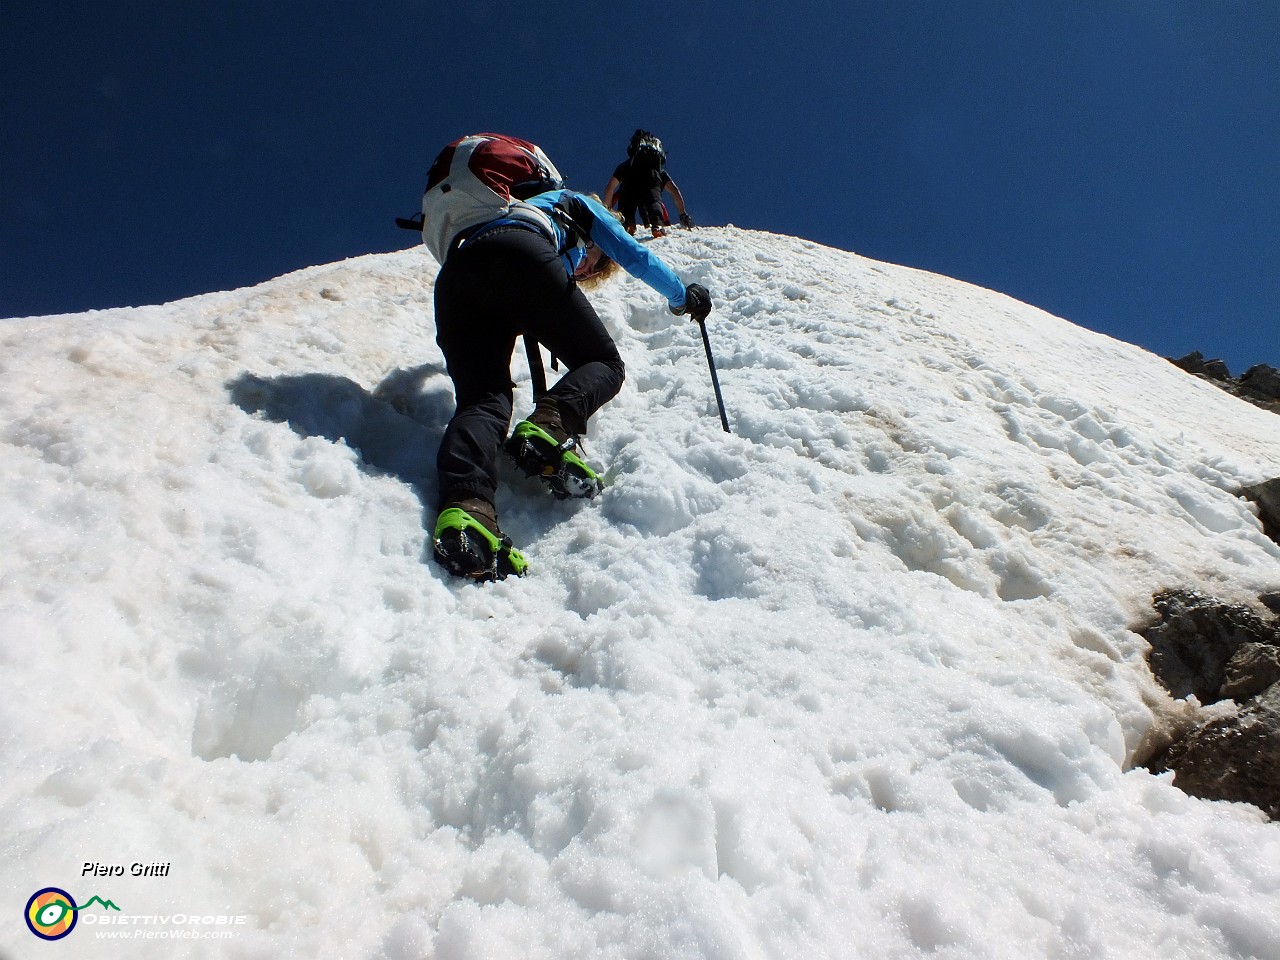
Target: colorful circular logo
(51,913)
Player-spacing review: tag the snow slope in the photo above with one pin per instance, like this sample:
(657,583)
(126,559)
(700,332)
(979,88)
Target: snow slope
(858,680)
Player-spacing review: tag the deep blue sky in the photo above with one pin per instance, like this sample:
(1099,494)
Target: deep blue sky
(1116,162)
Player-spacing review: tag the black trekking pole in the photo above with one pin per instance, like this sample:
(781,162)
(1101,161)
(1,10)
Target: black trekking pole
(715,380)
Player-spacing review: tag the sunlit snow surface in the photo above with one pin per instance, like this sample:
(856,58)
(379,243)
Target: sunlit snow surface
(858,680)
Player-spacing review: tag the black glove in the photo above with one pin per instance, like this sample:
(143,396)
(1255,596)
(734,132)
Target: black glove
(697,303)
(686,221)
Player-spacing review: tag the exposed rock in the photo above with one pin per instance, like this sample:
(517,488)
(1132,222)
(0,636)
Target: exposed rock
(1235,758)
(1195,363)
(1267,496)
(1214,651)
(1253,668)
(1196,637)
(1260,384)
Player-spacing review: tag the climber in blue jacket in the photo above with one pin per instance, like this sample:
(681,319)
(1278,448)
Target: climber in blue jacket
(520,274)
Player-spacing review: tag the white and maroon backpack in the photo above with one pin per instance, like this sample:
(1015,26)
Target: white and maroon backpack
(481,178)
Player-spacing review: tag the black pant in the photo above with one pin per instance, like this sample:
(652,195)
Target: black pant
(648,204)
(506,282)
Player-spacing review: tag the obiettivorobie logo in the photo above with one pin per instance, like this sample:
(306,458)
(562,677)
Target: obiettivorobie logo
(52,913)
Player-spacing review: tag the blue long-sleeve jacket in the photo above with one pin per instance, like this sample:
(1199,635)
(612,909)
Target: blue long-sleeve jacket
(592,220)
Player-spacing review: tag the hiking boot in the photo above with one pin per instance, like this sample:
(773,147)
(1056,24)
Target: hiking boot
(469,544)
(541,447)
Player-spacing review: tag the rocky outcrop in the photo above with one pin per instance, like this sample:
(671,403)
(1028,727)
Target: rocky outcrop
(1260,384)
(1235,758)
(1216,651)
(1225,654)
(1267,497)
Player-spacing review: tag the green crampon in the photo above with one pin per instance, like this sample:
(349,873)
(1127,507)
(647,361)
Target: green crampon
(465,548)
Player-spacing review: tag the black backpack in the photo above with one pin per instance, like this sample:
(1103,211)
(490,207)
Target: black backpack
(645,149)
